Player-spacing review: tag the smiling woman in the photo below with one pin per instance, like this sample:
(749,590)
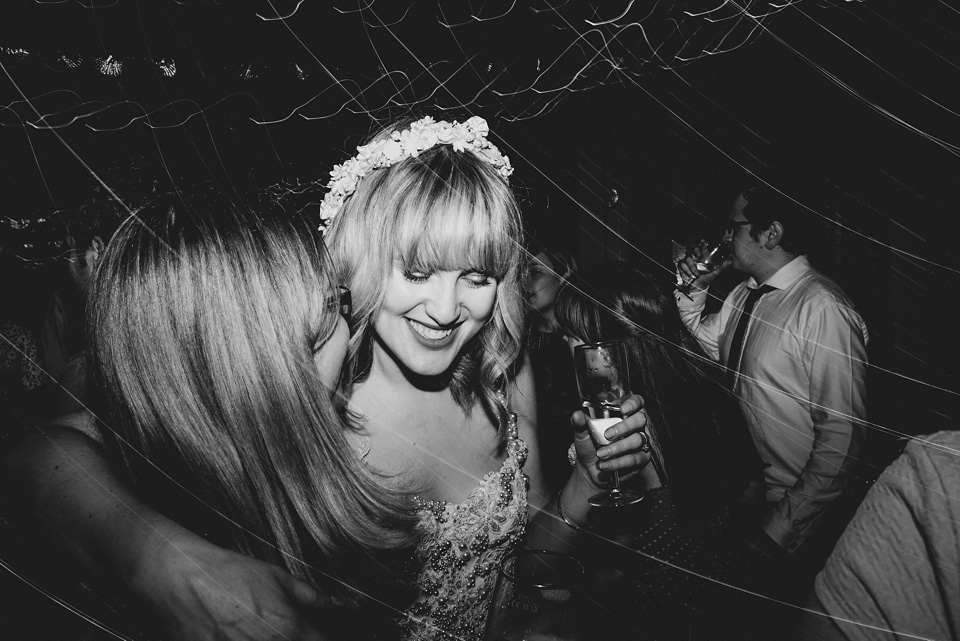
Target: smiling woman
(425,234)
(428,318)
(431,243)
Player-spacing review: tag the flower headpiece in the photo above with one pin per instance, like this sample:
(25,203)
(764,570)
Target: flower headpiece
(422,135)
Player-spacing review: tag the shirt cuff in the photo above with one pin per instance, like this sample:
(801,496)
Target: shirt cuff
(694,299)
(782,532)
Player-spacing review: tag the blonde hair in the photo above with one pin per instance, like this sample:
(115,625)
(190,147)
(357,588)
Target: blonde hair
(203,327)
(441,210)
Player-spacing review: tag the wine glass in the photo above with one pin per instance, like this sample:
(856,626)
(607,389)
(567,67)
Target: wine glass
(604,383)
(711,257)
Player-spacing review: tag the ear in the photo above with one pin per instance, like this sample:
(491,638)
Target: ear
(97,246)
(773,235)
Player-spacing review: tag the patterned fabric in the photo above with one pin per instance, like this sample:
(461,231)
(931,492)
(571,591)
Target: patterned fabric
(894,572)
(464,548)
(670,577)
(19,366)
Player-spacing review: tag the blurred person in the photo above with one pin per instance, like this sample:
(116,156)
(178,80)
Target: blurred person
(797,361)
(706,478)
(88,229)
(553,375)
(219,412)
(893,573)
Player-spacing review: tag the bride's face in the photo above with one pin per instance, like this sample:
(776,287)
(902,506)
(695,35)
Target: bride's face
(427,319)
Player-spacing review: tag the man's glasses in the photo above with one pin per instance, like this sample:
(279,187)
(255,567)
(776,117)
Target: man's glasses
(343,302)
(733,225)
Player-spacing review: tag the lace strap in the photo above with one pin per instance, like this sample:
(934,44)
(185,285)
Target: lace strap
(512,431)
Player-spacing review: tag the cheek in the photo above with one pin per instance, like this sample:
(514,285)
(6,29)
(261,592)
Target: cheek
(480,304)
(539,283)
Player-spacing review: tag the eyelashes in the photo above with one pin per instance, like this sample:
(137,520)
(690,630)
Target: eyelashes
(416,277)
(474,278)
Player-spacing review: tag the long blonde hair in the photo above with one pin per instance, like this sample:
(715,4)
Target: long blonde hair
(203,327)
(440,210)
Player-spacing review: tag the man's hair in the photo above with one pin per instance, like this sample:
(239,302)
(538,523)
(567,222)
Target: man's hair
(764,205)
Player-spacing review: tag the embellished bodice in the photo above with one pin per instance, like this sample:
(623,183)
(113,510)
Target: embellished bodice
(463,548)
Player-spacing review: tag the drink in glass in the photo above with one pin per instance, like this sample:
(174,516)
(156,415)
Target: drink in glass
(603,380)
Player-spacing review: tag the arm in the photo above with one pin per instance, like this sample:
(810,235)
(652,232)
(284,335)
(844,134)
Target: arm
(835,360)
(198,590)
(548,529)
(893,571)
(706,329)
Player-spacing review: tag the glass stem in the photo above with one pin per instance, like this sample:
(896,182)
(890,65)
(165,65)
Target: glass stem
(615,490)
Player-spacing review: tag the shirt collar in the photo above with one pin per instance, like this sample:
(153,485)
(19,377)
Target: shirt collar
(786,275)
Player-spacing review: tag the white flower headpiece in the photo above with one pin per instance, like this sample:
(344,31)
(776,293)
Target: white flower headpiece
(422,135)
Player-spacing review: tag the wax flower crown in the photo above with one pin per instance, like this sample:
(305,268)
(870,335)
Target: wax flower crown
(422,135)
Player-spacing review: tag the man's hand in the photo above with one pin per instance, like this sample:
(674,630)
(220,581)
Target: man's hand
(687,267)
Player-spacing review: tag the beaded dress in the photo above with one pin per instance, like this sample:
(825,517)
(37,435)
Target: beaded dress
(464,547)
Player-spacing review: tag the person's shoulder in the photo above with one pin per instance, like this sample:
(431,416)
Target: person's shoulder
(817,292)
(938,452)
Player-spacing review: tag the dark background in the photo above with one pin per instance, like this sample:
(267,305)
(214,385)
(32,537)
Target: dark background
(850,108)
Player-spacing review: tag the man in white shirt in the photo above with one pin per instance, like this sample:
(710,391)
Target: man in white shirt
(799,370)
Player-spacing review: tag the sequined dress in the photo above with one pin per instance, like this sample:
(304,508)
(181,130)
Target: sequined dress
(463,549)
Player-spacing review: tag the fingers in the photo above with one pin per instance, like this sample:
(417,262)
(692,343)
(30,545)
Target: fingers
(633,461)
(305,596)
(631,406)
(631,450)
(579,421)
(687,266)
(633,443)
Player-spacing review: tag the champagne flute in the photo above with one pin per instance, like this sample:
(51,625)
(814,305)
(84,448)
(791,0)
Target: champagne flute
(710,259)
(604,383)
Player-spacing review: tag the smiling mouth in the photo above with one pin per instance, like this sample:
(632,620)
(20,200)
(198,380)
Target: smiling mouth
(427,332)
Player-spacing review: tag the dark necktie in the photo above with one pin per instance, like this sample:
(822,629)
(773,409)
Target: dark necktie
(736,346)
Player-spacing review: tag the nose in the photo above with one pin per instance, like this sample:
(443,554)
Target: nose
(442,302)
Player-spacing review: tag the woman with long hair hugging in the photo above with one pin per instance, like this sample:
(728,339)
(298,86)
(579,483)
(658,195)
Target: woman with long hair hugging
(424,230)
(220,408)
(704,488)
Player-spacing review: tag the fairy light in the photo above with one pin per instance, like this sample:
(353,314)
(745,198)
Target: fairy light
(167,67)
(110,66)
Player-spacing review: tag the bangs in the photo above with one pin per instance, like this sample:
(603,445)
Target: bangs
(455,232)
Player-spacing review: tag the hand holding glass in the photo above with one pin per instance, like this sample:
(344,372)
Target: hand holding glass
(604,383)
(711,257)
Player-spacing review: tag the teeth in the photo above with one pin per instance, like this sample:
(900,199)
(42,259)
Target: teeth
(426,332)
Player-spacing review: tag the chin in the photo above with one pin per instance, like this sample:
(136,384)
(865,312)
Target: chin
(431,369)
